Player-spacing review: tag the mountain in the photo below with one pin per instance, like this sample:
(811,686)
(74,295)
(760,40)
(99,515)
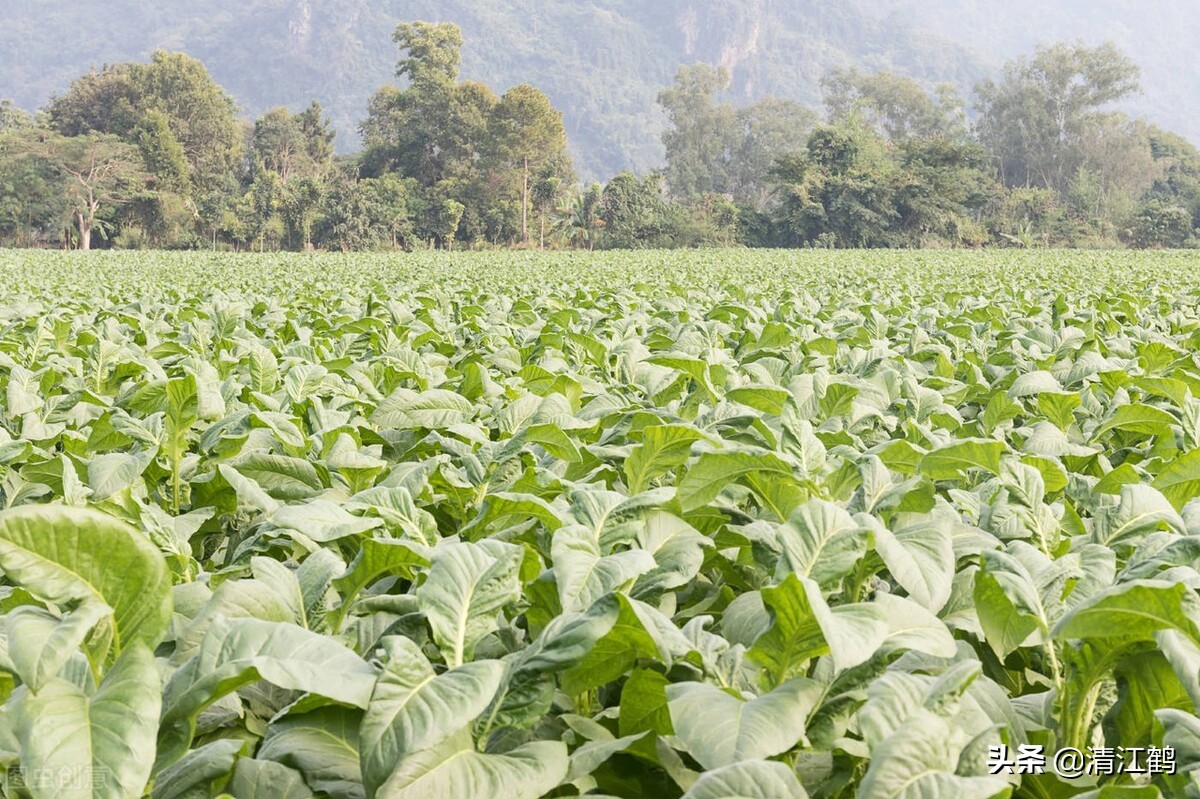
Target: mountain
(601,61)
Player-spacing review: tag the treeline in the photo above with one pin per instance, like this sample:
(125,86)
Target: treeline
(154,156)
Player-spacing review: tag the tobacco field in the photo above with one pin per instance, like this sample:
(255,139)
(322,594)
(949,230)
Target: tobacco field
(706,525)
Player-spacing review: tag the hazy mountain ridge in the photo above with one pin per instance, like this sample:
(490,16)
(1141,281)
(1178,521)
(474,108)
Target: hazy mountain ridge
(601,61)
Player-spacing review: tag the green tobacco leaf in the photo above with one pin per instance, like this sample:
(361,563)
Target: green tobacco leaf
(583,575)
(663,447)
(952,462)
(528,689)
(803,626)
(918,761)
(768,399)
(71,556)
(323,745)
(467,587)
(265,779)
(241,651)
(822,541)
(414,709)
(193,775)
(435,409)
(375,559)
(1180,481)
(1144,419)
(638,633)
(920,558)
(456,769)
(1135,610)
(750,779)
(40,645)
(106,740)
(643,706)
(720,729)
(715,470)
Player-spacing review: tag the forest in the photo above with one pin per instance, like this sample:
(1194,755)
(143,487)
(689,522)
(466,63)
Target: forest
(155,155)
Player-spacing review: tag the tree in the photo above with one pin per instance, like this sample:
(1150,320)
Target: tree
(578,217)
(447,215)
(300,204)
(388,200)
(942,187)
(293,144)
(633,212)
(770,129)
(528,137)
(13,118)
(1160,225)
(434,52)
(1036,118)
(31,190)
(841,192)
(345,221)
(1177,172)
(895,106)
(131,100)
(99,172)
(438,132)
(703,133)
(162,152)
(1117,167)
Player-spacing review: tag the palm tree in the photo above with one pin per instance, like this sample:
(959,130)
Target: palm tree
(575,220)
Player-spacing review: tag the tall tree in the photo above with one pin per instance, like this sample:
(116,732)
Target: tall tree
(703,132)
(436,131)
(1035,119)
(895,106)
(99,173)
(528,137)
(770,129)
(294,144)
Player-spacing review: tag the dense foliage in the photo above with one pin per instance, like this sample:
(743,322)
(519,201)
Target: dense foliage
(151,156)
(766,525)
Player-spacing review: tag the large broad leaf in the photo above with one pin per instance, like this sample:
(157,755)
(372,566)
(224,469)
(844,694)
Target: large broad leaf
(323,745)
(719,729)
(639,633)
(192,775)
(1143,419)
(322,521)
(952,462)
(376,558)
(715,470)
(413,708)
(528,690)
(822,541)
(678,550)
(803,626)
(1142,510)
(40,645)
(750,779)
(1180,481)
(1136,610)
(434,409)
(918,761)
(240,651)
(266,779)
(663,447)
(583,575)
(104,743)
(456,769)
(920,558)
(70,556)
(467,587)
